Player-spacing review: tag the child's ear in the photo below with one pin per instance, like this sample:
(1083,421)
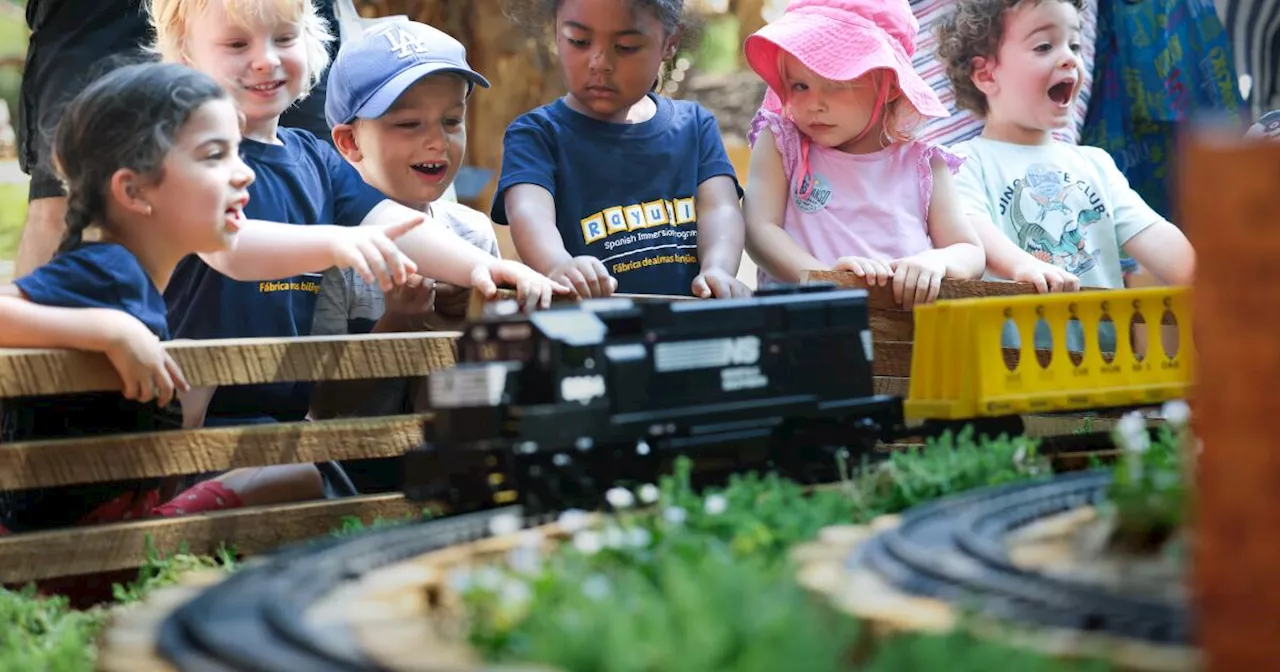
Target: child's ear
(672,44)
(984,75)
(344,138)
(127,189)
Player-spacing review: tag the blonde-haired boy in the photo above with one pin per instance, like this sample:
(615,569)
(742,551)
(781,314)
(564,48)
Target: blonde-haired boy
(266,53)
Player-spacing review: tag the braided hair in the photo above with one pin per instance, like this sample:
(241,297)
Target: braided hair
(129,118)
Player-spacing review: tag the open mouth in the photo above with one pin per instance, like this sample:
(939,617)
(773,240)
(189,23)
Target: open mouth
(1062,92)
(432,169)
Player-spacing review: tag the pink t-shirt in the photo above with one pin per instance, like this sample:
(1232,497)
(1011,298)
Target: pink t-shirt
(862,205)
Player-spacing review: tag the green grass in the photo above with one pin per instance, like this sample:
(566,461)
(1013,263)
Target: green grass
(13,212)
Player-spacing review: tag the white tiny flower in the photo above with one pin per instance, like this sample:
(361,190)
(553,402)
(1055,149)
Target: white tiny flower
(638,537)
(1132,432)
(620,498)
(596,587)
(613,537)
(649,493)
(587,542)
(674,515)
(515,593)
(573,520)
(488,578)
(716,505)
(1020,455)
(527,557)
(507,523)
(460,579)
(1176,413)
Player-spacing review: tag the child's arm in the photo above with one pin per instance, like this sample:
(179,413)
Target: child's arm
(1163,250)
(764,207)
(721,236)
(531,212)
(957,250)
(146,370)
(1004,258)
(1152,241)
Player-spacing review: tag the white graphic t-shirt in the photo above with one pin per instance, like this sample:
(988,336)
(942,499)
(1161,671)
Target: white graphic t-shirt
(1065,204)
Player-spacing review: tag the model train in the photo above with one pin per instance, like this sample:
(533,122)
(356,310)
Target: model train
(574,399)
(554,407)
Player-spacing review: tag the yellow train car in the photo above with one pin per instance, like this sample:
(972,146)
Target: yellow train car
(1000,356)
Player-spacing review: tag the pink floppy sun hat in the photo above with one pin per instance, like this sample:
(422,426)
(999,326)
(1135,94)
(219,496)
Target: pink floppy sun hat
(843,40)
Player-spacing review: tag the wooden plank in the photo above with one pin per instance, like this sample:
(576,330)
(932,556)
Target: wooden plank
(238,361)
(103,548)
(882,297)
(891,325)
(1228,190)
(36,464)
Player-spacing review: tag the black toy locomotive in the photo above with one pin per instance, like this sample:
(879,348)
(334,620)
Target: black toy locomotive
(570,401)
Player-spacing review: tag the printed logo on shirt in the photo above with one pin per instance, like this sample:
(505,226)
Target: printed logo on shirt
(309,282)
(815,200)
(622,219)
(1053,214)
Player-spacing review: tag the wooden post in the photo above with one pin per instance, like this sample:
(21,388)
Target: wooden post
(1228,192)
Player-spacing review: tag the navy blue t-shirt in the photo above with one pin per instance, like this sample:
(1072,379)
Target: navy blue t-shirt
(625,193)
(96,275)
(303,181)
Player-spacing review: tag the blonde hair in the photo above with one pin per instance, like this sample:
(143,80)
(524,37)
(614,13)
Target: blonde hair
(899,118)
(170,20)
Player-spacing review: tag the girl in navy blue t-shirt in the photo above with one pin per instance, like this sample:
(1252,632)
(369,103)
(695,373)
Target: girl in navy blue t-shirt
(149,155)
(614,187)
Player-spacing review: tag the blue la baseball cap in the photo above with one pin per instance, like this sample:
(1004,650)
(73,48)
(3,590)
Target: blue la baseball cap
(371,72)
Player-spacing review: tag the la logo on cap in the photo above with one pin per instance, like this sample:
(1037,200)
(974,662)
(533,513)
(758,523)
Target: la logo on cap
(403,43)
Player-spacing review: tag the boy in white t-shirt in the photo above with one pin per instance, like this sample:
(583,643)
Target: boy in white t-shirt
(397,102)
(1018,65)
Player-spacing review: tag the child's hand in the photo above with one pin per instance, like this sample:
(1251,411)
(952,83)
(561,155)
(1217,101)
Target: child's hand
(412,299)
(146,370)
(719,284)
(917,279)
(586,275)
(1046,277)
(876,272)
(370,251)
(533,289)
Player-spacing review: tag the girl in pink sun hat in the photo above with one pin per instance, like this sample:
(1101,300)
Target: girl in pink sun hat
(837,182)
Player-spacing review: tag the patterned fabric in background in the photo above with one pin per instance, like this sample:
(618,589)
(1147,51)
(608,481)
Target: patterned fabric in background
(1158,62)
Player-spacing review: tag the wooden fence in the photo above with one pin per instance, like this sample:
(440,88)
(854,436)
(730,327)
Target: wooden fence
(115,546)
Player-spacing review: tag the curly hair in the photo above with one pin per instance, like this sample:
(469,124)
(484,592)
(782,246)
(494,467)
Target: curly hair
(975,30)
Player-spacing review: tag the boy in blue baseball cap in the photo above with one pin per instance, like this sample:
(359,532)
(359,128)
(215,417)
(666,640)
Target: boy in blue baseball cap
(397,102)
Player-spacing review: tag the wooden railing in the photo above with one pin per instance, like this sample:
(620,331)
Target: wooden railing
(114,546)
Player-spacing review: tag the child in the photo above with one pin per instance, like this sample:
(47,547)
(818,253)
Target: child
(613,187)
(408,141)
(268,53)
(837,179)
(149,156)
(1017,64)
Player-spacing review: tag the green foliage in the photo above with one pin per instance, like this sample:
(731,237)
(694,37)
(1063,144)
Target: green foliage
(45,634)
(158,570)
(1149,489)
(702,582)
(13,214)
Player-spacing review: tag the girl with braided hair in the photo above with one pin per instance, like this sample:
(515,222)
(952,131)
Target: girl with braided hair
(148,154)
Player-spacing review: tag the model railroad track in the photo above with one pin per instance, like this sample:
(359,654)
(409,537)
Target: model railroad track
(954,550)
(255,620)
